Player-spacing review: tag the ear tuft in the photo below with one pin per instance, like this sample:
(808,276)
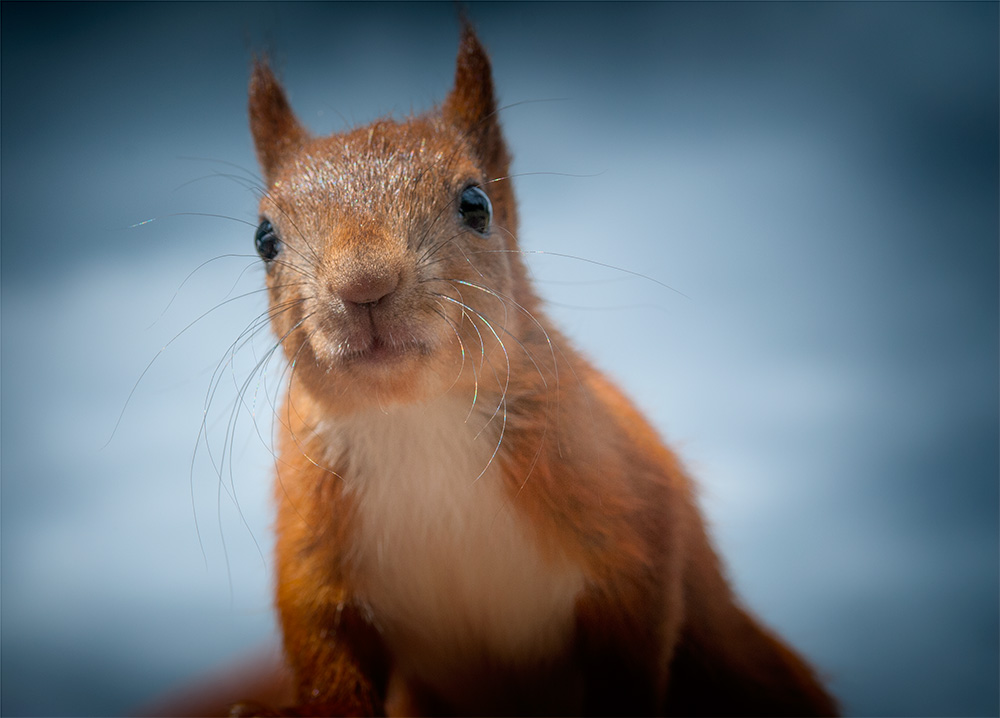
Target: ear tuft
(471,100)
(471,106)
(274,126)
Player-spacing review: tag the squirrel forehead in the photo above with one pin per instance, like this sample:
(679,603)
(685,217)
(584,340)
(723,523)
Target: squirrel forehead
(369,166)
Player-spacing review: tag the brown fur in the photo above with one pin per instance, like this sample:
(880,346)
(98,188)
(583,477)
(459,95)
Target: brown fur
(371,214)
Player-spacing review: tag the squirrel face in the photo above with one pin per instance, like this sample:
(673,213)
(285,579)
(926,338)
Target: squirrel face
(391,260)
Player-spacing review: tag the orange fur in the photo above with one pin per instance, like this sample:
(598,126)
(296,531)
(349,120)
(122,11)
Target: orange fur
(371,214)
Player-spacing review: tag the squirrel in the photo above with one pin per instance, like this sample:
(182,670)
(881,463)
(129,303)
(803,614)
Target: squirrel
(471,518)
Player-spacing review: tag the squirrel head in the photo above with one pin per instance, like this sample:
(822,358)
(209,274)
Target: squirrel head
(390,249)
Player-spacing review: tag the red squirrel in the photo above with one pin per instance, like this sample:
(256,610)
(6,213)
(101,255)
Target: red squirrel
(471,518)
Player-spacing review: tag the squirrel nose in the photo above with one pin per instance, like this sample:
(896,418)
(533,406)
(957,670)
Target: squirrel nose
(367,290)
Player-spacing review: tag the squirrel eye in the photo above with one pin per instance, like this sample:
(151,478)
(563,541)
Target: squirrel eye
(267,242)
(475,209)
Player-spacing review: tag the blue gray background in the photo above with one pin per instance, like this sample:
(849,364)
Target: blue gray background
(819,180)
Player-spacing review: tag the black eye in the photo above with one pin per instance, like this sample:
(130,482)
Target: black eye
(475,209)
(266,239)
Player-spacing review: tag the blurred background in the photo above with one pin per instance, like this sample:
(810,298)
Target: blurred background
(820,181)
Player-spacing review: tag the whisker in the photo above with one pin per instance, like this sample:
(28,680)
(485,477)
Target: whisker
(286,422)
(609,308)
(506,386)
(248,184)
(191,214)
(549,174)
(246,336)
(555,363)
(504,299)
(527,352)
(461,345)
(582,259)
(152,361)
(250,174)
(191,274)
(482,357)
(258,324)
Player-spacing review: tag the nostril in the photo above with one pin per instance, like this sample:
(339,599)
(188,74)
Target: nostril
(368,290)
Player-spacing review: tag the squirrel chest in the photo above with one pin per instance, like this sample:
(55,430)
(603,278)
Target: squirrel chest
(449,569)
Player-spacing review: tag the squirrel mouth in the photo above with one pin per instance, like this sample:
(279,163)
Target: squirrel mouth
(378,350)
(368,342)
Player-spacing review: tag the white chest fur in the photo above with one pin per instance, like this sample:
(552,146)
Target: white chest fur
(448,567)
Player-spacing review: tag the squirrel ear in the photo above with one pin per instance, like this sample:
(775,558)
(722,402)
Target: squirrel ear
(273,124)
(471,105)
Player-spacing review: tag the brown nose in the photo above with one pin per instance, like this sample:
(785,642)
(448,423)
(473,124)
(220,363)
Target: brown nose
(368,289)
